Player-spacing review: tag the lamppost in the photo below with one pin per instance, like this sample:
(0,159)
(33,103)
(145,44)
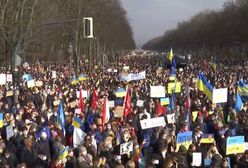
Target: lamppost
(70,51)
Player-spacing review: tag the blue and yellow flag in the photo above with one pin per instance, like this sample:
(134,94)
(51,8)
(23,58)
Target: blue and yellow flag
(82,77)
(63,153)
(76,122)
(238,103)
(243,90)
(61,116)
(1,120)
(120,92)
(205,86)
(171,55)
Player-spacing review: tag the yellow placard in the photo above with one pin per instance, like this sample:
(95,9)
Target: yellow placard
(31,83)
(176,86)
(234,149)
(9,93)
(194,115)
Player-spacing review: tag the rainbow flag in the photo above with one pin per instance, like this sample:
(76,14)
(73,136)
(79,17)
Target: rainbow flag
(1,120)
(76,122)
(63,154)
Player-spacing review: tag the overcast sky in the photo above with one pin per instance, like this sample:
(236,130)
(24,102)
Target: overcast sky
(151,18)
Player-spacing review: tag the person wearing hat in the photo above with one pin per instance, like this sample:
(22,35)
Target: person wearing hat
(28,154)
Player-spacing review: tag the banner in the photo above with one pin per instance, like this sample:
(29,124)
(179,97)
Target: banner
(133,77)
(176,86)
(2,79)
(165,101)
(197,159)
(184,138)
(235,145)
(153,122)
(140,103)
(220,95)
(125,148)
(157,91)
(171,118)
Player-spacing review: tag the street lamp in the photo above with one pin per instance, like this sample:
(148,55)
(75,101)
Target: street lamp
(70,51)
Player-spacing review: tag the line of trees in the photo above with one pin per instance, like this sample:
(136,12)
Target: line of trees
(208,29)
(50,43)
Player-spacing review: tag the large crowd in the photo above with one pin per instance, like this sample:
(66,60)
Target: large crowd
(37,138)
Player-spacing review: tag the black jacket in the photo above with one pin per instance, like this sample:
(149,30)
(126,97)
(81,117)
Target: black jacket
(28,157)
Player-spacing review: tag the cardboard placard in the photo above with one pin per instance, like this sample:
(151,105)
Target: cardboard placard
(119,111)
(125,148)
(157,91)
(2,79)
(153,122)
(171,118)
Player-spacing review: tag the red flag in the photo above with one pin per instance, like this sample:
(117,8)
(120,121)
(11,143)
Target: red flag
(105,112)
(127,107)
(94,100)
(160,109)
(81,99)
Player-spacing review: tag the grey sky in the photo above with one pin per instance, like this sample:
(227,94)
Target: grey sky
(151,18)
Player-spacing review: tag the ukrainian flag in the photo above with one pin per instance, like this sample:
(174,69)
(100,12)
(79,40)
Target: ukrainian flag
(205,86)
(74,81)
(165,101)
(238,103)
(63,154)
(1,120)
(207,139)
(243,90)
(120,92)
(82,77)
(76,122)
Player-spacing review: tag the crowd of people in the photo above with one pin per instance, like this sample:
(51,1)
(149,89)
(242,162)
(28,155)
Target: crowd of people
(38,138)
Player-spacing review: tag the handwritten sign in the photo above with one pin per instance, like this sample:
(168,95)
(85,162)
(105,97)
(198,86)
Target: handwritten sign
(157,91)
(140,103)
(9,132)
(153,122)
(220,95)
(125,148)
(176,87)
(197,159)
(235,145)
(184,138)
(171,118)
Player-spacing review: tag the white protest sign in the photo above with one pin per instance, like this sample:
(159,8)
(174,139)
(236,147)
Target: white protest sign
(220,95)
(115,70)
(153,122)
(125,148)
(54,74)
(157,91)
(197,159)
(133,77)
(84,93)
(9,77)
(2,79)
(109,70)
(9,132)
(171,118)
(111,104)
(78,111)
(140,103)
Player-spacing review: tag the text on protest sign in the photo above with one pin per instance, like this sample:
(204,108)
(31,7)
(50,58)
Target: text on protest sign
(235,145)
(2,79)
(133,77)
(157,91)
(153,122)
(174,87)
(197,159)
(220,95)
(184,138)
(140,103)
(9,132)
(171,118)
(125,148)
